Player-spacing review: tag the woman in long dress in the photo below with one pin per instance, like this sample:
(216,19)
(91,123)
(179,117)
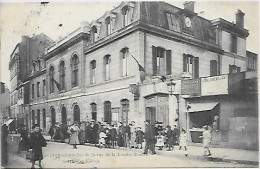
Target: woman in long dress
(183,141)
(206,135)
(74,135)
(133,136)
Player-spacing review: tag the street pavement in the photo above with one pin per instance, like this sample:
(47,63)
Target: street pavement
(62,155)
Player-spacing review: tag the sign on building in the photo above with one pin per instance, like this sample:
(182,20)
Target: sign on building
(216,85)
(190,87)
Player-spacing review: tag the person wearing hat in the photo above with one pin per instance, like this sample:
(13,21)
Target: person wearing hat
(149,138)
(74,135)
(113,134)
(24,140)
(139,138)
(175,135)
(120,141)
(37,141)
(126,134)
(183,141)
(206,135)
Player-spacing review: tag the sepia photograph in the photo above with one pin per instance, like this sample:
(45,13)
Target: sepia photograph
(129,84)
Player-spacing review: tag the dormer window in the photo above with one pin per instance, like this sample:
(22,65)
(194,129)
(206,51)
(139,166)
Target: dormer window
(108,26)
(125,16)
(94,34)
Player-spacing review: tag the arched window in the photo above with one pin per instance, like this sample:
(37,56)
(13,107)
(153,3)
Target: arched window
(51,73)
(94,111)
(76,113)
(108,26)
(32,90)
(62,75)
(44,87)
(44,118)
(125,16)
(124,61)
(107,112)
(34,67)
(53,117)
(39,64)
(33,118)
(107,62)
(39,118)
(93,72)
(125,109)
(94,33)
(74,64)
(38,89)
(63,115)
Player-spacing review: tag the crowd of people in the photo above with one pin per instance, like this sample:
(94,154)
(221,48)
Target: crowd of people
(105,135)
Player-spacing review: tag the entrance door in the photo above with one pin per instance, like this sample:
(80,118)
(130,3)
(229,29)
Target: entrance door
(150,114)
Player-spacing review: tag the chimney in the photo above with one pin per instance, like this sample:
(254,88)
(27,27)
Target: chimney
(189,5)
(240,18)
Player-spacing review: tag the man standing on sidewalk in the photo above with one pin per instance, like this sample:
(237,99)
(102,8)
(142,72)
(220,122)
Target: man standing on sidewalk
(149,138)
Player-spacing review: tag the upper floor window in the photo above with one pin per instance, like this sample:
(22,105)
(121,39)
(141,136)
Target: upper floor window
(234,69)
(161,61)
(38,89)
(94,33)
(125,109)
(93,72)
(125,16)
(33,118)
(107,62)
(233,43)
(32,90)
(51,74)
(39,64)
(43,87)
(124,57)
(251,63)
(108,26)
(213,68)
(34,67)
(74,64)
(191,65)
(62,75)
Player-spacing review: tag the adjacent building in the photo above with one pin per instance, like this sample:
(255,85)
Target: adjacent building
(150,60)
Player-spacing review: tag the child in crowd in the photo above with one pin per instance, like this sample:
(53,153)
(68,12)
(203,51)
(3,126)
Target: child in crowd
(160,140)
(139,138)
(102,141)
(183,141)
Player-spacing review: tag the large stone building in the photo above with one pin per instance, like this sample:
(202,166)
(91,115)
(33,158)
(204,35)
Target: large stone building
(144,60)
(4,102)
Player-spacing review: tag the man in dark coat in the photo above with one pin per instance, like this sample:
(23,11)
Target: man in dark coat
(96,130)
(63,132)
(113,134)
(169,138)
(24,141)
(88,132)
(37,141)
(149,138)
(126,133)
(4,153)
(175,135)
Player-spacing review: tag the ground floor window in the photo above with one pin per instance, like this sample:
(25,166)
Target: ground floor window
(76,113)
(107,112)
(93,111)
(63,115)
(53,117)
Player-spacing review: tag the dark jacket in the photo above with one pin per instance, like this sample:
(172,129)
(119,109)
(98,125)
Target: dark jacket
(113,134)
(37,141)
(148,134)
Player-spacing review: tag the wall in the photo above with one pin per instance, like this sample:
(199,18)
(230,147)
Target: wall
(228,59)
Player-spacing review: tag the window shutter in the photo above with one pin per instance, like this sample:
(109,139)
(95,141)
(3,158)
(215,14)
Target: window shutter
(154,60)
(196,67)
(168,62)
(185,60)
(213,68)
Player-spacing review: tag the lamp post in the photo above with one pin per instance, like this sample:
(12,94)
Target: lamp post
(177,97)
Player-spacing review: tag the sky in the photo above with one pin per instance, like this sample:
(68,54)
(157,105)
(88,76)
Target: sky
(28,18)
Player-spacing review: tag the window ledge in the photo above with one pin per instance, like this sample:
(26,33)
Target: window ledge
(110,81)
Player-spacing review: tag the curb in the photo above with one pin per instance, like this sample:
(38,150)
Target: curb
(246,162)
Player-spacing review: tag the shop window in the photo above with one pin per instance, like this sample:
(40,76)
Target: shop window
(93,72)
(107,63)
(191,65)
(161,61)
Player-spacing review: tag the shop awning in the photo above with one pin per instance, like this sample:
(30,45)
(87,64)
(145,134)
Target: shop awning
(9,121)
(199,107)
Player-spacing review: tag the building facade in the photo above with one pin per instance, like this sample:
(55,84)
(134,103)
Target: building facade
(141,60)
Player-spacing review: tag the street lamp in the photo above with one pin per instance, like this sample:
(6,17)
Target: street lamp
(177,97)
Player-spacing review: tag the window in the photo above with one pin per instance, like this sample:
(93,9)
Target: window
(108,26)
(33,118)
(43,87)
(234,69)
(94,34)
(34,67)
(161,61)
(107,112)
(39,64)
(125,16)
(251,63)
(93,72)
(191,65)
(233,43)
(38,89)
(39,118)
(62,75)
(75,63)
(94,111)
(32,90)
(76,113)
(107,61)
(124,56)
(173,22)
(44,118)
(51,79)
(213,68)
(53,117)
(125,110)
(63,115)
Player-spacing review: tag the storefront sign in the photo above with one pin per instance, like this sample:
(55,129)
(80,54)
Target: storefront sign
(216,85)
(190,87)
